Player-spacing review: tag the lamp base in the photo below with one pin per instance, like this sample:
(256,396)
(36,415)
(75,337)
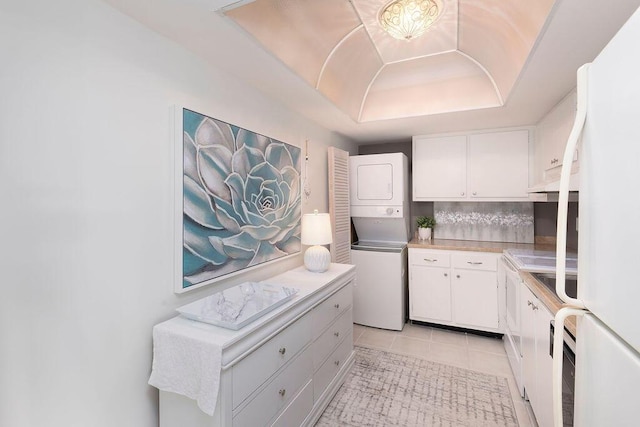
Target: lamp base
(317,259)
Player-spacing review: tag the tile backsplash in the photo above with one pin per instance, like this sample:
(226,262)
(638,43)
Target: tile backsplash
(488,221)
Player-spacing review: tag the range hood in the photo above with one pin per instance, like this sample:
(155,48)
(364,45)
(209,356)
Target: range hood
(548,191)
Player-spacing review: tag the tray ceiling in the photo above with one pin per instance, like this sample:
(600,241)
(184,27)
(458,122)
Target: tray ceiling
(573,33)
(339,48)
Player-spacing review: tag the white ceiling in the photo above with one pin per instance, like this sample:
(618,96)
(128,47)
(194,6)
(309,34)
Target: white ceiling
(574,33)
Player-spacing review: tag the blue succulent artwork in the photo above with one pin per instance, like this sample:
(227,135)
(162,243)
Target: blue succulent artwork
(241,199)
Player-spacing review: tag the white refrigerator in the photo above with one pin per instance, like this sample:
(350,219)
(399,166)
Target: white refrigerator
(607,381)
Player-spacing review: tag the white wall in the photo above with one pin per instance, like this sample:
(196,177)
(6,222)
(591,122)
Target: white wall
(86,219)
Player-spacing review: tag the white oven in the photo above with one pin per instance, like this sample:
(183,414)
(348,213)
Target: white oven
(510,280)
(512,262)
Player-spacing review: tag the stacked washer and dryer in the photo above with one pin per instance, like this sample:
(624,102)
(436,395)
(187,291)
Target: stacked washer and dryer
(379,192)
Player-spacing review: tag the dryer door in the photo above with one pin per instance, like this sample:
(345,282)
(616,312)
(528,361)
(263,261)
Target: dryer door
(376,180)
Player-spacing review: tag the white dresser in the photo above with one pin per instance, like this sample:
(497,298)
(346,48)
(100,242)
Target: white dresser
(284,368)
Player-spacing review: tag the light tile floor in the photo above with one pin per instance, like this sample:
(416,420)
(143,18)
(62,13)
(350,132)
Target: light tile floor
(464,350)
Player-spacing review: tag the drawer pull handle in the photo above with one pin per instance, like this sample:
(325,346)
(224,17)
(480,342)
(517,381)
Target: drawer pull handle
(337,306)
(337,334)
(337,362)
(474,262)
(282,392)
(431,259)
(282,351)
(529,303)
(535,307)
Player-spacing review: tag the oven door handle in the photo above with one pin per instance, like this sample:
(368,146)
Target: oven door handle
(558,349)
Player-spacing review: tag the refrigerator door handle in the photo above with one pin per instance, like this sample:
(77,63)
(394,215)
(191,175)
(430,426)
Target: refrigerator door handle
(558,347)
(563,195)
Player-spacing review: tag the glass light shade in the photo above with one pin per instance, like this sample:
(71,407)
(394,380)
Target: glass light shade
(316,229)
(408,19)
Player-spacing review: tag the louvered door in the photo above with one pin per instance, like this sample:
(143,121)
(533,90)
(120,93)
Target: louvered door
(339,205)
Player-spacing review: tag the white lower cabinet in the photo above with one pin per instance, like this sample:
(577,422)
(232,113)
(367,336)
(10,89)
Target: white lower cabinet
(455,288)
(475,296)
(282,370)
(430,294)
(537,363)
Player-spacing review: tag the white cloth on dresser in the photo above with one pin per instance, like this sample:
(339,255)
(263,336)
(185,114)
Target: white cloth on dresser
(187,362)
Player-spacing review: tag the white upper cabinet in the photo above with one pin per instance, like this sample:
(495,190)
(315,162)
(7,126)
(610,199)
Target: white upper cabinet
(492,166)
(440,168)
(552,133)
(498,165)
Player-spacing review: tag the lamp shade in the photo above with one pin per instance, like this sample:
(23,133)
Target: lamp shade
(316,229)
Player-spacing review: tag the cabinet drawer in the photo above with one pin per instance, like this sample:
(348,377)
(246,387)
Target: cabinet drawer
(331,366)
(429,258)
(330,309)
(331,337)
(257,367)
(296,412)
(277,393)
(476,261)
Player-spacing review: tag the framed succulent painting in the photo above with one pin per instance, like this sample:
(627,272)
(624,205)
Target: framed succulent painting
(238,202)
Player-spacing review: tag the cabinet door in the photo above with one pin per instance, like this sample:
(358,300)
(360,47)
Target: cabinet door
(439,168)
(499,165)
(528,341)
(429,294)
(553,131)
(475,298)
(543,403)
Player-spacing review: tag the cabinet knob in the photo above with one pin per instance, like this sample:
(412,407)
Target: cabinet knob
(337,334)
(446,274)
(462,193)
(457,276)
(337,362)
(475,193)
(535,307)
(282,351)
(282,392)
(337,305)
(529,303)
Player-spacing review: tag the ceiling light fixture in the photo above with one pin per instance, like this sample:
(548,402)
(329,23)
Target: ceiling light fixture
(408,19)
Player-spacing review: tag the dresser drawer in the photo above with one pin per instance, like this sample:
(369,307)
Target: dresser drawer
(331,337)
(277,394)
(429,258)
(296,412)
(475,261)
(330,309)
(331,366)
(261,364)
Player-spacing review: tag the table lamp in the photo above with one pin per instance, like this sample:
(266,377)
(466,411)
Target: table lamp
(316,230)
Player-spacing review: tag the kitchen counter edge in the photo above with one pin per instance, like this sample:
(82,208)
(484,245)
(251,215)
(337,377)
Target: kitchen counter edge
(474,245)
(548,298)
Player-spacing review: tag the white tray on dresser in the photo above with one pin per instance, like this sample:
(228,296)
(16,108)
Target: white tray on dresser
(284,368)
